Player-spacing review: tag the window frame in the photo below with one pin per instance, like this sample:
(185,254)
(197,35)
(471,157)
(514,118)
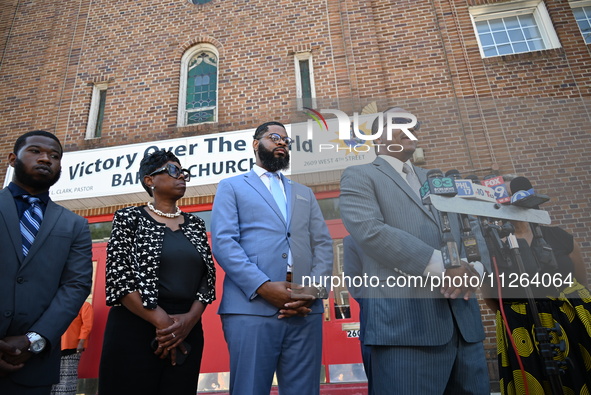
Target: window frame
(95,111)
(580,4)
(536,8)
(298,57)
(182,110)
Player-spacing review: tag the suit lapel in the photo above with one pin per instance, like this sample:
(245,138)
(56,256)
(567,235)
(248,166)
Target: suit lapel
(388,170)
(50,218)
(9,215)
(255,182)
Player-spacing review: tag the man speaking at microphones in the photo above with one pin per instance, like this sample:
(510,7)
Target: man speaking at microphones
(423,340)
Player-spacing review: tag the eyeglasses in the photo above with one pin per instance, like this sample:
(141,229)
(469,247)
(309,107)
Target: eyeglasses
(402,121)
(173,171)
(274,137)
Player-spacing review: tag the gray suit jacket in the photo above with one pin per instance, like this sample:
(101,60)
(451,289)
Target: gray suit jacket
(399,234)
(251,240)
(44,291)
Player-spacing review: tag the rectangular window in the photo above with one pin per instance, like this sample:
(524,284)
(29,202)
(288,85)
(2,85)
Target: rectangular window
(97,111)
(582,12)
(513,27)
(305,89)
(330,208)
(100,231)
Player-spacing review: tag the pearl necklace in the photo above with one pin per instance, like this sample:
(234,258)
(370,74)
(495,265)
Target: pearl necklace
(160,213)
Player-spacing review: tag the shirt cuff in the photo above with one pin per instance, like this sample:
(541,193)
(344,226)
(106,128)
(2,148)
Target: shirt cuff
(479,267)
(435,265)
(255,294)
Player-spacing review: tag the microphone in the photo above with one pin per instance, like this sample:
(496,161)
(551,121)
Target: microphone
(467,238)
(434,173)
(524,194)
(497,183)
(437,184)
(473,178)
(453,173)
(468,189)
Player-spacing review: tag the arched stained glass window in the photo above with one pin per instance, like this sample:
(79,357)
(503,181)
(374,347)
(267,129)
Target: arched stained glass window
(202,88)
(198,96)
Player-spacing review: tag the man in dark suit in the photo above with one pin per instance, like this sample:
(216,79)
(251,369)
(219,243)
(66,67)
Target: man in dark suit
(353,267)
(268,232)
(46,268)
(423,340)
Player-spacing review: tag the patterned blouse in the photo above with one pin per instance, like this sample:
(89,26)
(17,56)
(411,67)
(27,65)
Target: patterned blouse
(133,256)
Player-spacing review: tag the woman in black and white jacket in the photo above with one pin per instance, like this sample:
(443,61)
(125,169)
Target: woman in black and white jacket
(159,278)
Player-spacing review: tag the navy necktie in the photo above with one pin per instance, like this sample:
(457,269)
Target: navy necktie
(277,193)
(30,222)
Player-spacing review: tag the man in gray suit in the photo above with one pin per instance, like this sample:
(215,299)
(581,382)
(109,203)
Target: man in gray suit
(423,341)
(46,268)
(353,258)
(267,233)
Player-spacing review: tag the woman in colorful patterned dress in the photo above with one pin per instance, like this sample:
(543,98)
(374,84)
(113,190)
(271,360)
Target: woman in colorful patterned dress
(565,305)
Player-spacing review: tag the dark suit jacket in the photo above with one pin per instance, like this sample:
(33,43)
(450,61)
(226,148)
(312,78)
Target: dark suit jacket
(398,234)
(43,292)
(353,267)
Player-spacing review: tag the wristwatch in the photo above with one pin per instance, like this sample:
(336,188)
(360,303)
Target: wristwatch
(322,292)
(37,342)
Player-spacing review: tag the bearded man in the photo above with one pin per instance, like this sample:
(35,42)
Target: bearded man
(267,233)
(46,268)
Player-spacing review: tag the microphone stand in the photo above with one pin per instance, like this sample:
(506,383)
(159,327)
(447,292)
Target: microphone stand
(552,368)
(493,235)
(468,239)
(449,250)
(542,251)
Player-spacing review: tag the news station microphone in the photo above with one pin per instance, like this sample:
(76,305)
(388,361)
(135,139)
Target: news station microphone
(524,194)
(469,190)
(468,239)
(472,189)
(473,178)
(453,173)
(434,173)
(497,183)
(438,184)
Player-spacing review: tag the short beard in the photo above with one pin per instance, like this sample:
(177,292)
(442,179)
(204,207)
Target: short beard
(272,163)
(26,179)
